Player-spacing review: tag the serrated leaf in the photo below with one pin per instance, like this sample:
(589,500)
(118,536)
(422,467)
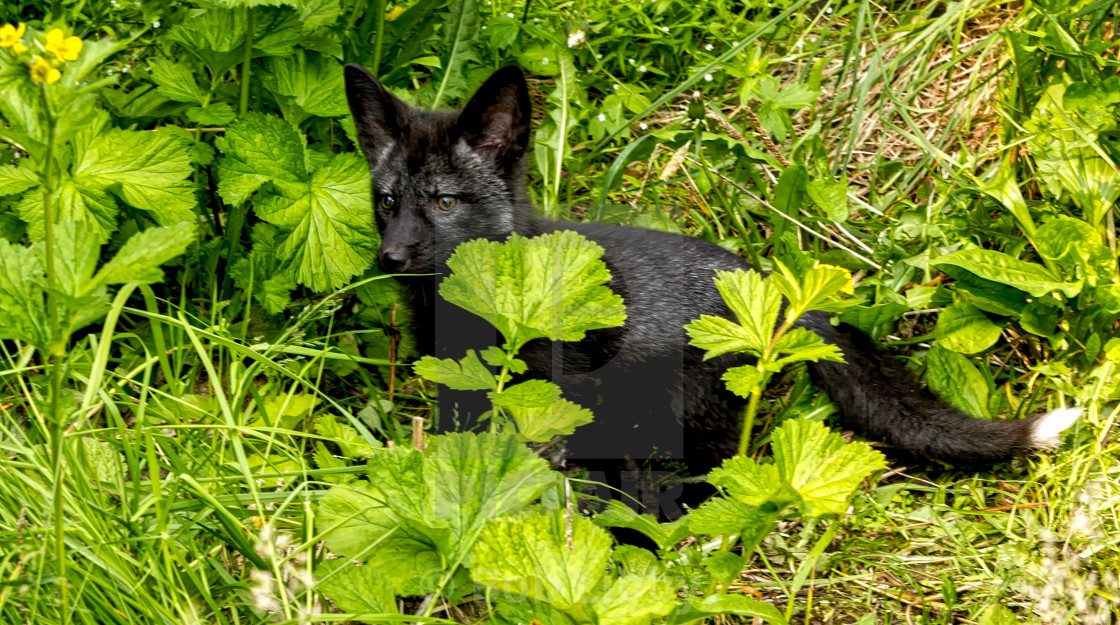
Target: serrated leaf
(966,329)
(721,515)
(216,114)
(22,313)
(718,336)
(356,589)
(256,149)
(817,289)
(755,302)
(352,444)
(999,267)
(447,493)
(175,81)
(497,357)
(466,375)
(314,83)
(553,285)
(819,466)
(747,481)
(529,556)
(330,237)
(262,269)
(89,207)
(148,170)
(539,424)
(724,566)
(140,257)
(743,379)
(618,514)
(803,345)
(15,179)
(636,600)
(353,516)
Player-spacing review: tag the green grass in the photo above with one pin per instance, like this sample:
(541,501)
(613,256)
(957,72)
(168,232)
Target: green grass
(184,488)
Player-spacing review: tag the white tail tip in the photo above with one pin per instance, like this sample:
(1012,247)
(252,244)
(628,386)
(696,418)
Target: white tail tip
(1049,426)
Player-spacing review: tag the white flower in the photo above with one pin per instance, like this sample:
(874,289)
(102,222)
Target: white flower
(544,60)
(616,86)
(124,70)
(643,126)
(708,77)
(828,10)
(631,61)
(800,44)
(509,15)
(642,69)
(598,56)
(602,117)
(578,37)
(708,47)
(155,24)
(664,29)
(483,27)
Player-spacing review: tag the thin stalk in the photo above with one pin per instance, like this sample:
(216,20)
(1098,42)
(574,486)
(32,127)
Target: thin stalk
(57,355)
(248,60)
(378,15)
(748,420)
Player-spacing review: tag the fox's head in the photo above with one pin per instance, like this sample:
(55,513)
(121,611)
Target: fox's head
(440,179)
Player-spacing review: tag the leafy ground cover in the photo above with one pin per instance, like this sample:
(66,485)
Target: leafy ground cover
(203,395)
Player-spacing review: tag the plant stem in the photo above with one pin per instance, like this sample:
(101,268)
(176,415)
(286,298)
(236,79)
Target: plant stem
(748,420)
(56,355)
(378,9)
(247,63)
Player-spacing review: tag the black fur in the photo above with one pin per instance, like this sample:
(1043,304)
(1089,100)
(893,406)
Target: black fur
(652,393)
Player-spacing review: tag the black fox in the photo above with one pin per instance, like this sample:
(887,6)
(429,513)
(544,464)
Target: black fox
(443,178)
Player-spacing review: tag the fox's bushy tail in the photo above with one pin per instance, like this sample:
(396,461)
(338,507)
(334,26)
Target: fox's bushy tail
(883,401)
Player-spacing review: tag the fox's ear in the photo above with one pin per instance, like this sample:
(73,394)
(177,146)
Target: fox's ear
(378,114)
(498,117)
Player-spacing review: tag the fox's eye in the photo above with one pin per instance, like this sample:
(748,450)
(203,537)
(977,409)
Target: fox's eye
(387,201)
(446,202)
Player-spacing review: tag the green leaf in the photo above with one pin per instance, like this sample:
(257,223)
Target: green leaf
(553,286)
(831,197)
(466,375)
(330,237)
(352,444)
(789,194)
(89,207)
(618,514)
(15,179)
(742,380)
(356,589)
(22,313)
(721,515)
(636,600)
(803,345)
(724,566)
(176,81)
(818,289)
(819,466)
(718,336)
(445,494)
(740,606)
(262,268)
(1076,247)
(955,379)
(256,149)
(529,556)
(966,329)
(539,412)
(747,481)
(1001,268)
(352,517)
(313,83)
(755,302)
(217,114)
(140,257)
(497,357)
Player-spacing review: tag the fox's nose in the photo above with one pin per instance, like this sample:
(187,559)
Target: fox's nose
(394,258)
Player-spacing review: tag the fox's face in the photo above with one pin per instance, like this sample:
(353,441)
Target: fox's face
(440,179)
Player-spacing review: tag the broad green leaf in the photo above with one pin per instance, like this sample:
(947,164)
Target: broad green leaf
(262,269)
(1076,247)
(353,516)
(718,336)
(89,207)
(754,301)
(22,313)
(256,149)
(447,493)
(148,170)
(789,194)
(539,412)
(966,329)
(803,345)
(876,320)
(553,285)
(15,179)
(987,295)
(497,357)
(818,289)
(618,514)
(742,380)
(217,36)
(529,556)
(831,197)
(724,566)
(140,257)
(216,114)
(636,600)
(466,375)
(176,81)
(352,444)
(75,258)
(955,379)
(746,481)
(721,515)
(740,606)
(411,568)
(1040,317)
(1001,268)
(313,83)
(356,589)
(819,466)
(330,236)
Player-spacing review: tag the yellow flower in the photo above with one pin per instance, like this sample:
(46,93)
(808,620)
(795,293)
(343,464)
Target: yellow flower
(43,71)
(19,48)
(10,35)
(847,288)
(63,47)
(394,14)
